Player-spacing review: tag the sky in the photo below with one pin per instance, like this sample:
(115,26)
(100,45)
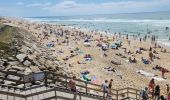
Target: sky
(33,8)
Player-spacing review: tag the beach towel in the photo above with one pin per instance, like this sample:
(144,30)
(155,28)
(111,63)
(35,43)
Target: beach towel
(86,78)
(96,80)
(50,45)
(147,74)
(113,46)
(158,78)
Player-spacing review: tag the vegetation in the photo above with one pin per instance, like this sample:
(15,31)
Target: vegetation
(6,34)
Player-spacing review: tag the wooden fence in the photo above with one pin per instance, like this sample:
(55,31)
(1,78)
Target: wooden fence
(59,83)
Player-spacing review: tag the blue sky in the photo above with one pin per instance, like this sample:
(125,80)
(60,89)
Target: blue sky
(25,8)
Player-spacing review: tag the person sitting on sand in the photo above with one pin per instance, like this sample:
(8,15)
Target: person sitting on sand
(145,61)
(78,62)
(134,60)
(154,51)
(138,51)
(130,59)
(164,51)
(164,70)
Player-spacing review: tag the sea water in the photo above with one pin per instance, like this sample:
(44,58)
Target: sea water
(155,23)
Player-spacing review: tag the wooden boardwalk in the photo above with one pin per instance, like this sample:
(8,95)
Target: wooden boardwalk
(58,89)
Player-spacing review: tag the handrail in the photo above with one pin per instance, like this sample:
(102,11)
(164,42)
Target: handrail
(64,79)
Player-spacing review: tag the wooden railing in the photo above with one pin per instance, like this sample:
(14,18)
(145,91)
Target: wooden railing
(60,83)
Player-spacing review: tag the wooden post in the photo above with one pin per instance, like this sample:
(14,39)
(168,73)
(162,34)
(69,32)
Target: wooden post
(117,95)
(136,94)
(55,93)
(66,81)
(45,78)
(86,87)
(127,91)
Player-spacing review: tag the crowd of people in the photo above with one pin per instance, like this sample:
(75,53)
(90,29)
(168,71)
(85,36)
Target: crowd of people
(153,92)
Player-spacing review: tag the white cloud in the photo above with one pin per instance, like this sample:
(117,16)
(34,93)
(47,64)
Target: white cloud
(39,4)
(68,7)
(20,3)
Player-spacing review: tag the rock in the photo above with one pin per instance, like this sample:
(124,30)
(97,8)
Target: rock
(41,61)
(8,68)
(34,68)
(27,71)
(2,67)
(18,68)
(11,59)
(42,67)
(3,60)
(50,65)
(20,86)
(13,63)
(2,75)
(27,63)
(21,57)
(13,77)
(32,57)
(8,82)
(1,63)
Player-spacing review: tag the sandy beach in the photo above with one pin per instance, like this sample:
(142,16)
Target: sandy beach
(83,50)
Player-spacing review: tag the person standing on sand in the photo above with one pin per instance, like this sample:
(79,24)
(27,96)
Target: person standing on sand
(152,87)
(151,55)
(157,92)
(110,85)
(129,42)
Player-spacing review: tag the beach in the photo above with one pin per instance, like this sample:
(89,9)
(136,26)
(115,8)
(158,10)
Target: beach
(80,50)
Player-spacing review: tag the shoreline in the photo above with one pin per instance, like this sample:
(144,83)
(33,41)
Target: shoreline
(161,43)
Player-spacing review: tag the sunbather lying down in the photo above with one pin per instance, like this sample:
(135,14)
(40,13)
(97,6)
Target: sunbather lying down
(145,61)
(109,69)
(115,63)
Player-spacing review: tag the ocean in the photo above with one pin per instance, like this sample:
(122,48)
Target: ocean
(155,23)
